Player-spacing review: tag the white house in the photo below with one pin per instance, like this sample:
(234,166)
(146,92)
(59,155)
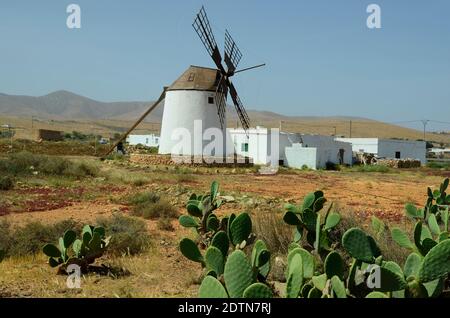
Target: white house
(294,150)
(145,140)
(389,148)
(315,151)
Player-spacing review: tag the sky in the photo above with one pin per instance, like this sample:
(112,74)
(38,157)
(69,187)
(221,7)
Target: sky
(322,59)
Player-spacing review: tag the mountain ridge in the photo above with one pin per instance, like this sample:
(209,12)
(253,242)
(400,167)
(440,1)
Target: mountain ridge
(66,105)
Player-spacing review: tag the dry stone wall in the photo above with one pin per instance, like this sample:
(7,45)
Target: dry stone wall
(167,160)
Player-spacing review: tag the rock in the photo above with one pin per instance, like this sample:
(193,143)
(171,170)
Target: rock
(278,270)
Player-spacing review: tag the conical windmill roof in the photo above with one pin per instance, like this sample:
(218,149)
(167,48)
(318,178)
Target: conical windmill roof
(197,78)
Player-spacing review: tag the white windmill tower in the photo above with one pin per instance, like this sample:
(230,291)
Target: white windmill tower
(199,96)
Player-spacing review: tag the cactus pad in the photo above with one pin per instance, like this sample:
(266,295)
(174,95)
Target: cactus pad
(291,219)
(220,240)
(190,250)
(258,291)
(359,245)
(332,221)
(238,274)
(241,228)
(412,265)
(307,260)
(401,238)
(212,288)
(214,260)
(338,287)
(436,263)
(188,221)
(334,265)
(376,295)
(295,277)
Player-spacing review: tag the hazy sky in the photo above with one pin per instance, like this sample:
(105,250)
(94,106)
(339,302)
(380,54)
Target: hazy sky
(321,57)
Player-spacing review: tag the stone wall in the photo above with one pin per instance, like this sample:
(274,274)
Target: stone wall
(400,163)
(191,161)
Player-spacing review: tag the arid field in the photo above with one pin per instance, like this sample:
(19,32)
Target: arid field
(46,199)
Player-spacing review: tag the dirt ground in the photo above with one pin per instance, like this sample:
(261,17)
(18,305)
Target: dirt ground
(163,271)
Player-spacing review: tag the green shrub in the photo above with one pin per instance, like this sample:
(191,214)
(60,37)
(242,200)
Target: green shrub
(439,165)
(24,163)
(160,209)
(165,224)
(143,198)
(30,238)
(6,183)
(331,166)
(128,235)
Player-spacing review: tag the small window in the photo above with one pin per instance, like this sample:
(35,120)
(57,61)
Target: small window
(146,140)
(398,155)
(210,100)
(191,77)
(244,147)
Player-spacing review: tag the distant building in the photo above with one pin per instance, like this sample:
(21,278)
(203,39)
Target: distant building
(145,140)
(440,151)
(389,148)
(294,150)
(50,135)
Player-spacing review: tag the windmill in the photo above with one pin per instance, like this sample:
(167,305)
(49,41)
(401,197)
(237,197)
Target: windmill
(200,95)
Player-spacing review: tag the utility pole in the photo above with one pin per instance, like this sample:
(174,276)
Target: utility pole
(425,123)
(335,131)
(350,129)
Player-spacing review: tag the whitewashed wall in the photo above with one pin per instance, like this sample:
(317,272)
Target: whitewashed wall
(297,157)
(407,149)
(386,148)
(181,110)
(367,145)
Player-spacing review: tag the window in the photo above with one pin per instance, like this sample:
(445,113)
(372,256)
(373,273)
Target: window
(398,155)
(191,77)
(210,100)
(244,147)
(146,140)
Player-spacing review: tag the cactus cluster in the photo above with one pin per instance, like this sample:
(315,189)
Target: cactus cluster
(308,224)
(240,277)
(432,222)
(317,269)
(82,252)
(200,214)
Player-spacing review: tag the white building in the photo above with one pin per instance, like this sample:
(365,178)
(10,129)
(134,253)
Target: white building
(389,148)
(294,150)
(316,151)
(145,140)
(190,120)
